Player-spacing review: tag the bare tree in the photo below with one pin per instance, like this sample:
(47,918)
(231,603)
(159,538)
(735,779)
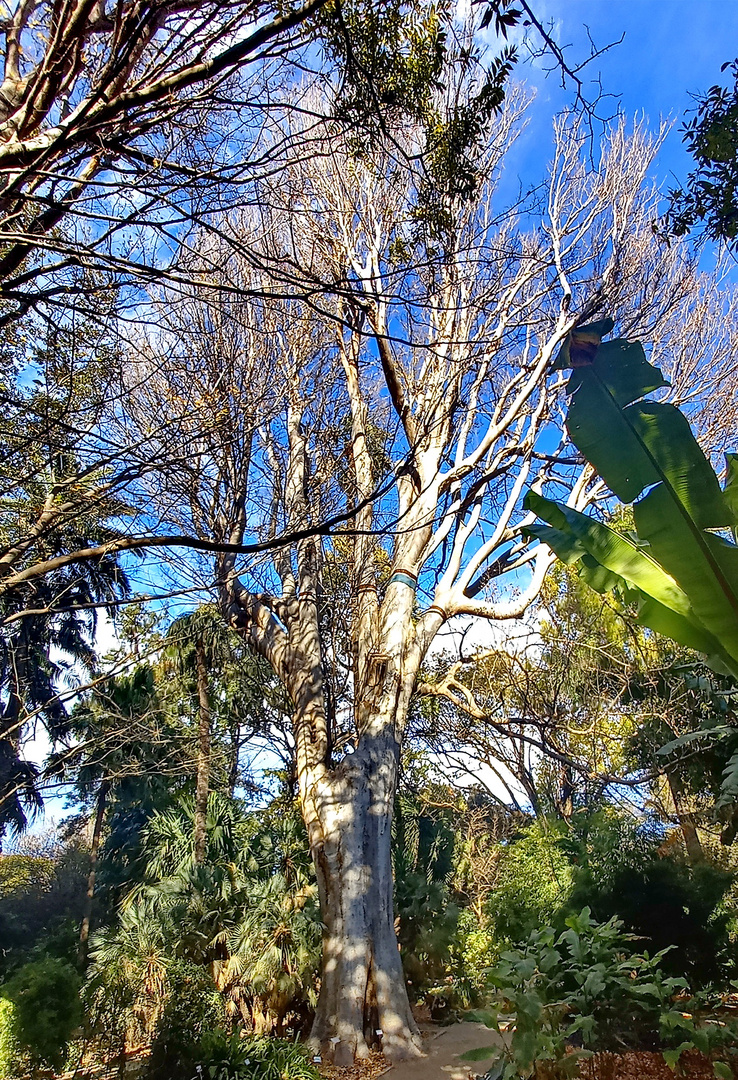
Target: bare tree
(417,414)
(84,86)
(124,128)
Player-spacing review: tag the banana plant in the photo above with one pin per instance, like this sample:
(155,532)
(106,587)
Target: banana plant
(680,564)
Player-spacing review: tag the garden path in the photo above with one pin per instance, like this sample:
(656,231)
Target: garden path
(442,1061)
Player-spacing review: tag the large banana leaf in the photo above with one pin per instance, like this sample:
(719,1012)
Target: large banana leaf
(684,565)
(605,560)
(730,491)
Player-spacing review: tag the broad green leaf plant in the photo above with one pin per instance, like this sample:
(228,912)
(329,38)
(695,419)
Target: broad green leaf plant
(680,564)
(564,997)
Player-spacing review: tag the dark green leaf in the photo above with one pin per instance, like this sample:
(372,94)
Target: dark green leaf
(730,491)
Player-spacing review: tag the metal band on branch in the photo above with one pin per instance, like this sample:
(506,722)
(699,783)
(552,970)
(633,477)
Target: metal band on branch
(437,607)
(405,577)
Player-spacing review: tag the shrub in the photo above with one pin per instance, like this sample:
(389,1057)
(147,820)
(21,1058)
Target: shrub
(669,904)
(535,879)
(474,950)
(9,1047)
(585,991)
(192,1009)
(582,986)
(47,1009)
(427,923)
(228,1057)
(666,902)
(40,900)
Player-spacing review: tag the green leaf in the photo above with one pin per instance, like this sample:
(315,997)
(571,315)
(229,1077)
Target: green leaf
(722,1070)
(488,1017)
(730,491)
(563,543)
(671,1057)
(480,1053)
(618,554)
(681,627)
(701,1040)
(729,784)
(704,565)
(647,989)
(635,444)
(622,370)
(672,1020)
(594,983)
(586,1024)
(686,631)
(717,732)
(646,449)
(526,967)
(598,577)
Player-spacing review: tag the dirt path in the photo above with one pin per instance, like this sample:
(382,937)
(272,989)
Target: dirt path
(442,1062)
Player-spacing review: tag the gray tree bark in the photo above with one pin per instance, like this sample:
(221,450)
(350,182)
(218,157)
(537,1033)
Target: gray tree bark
(84,933)
(363,1000)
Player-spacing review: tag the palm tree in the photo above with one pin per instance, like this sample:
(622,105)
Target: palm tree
(48,633)
(109,725)
(249,913)
(198,643)
(276,947)
(128,976)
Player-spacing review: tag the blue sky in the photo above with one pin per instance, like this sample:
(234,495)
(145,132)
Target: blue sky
(671,50)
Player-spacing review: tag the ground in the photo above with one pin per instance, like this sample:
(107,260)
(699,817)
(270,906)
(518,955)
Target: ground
(443,1047)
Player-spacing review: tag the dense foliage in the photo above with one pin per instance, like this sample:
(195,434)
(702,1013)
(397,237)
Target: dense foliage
(709,199)
(47,1009)
(586,990)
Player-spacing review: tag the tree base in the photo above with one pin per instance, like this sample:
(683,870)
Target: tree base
(346,1053)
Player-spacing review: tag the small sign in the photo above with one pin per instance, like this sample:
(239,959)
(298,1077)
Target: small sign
(379,1032)
(317,1059)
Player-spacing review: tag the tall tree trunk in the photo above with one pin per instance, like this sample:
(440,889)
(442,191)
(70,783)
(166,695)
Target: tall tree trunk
(203,755)
(363,1000)
(692,840)
(234,752)
(347,807)
(84,932)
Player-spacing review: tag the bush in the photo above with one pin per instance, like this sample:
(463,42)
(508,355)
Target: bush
(9,1047)
(192,1009)
(585,991)
(534,882)
(40,901)
(228,1057)
(663,900)
(47,1009)
(427,924)
(616,866)
(474,950)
